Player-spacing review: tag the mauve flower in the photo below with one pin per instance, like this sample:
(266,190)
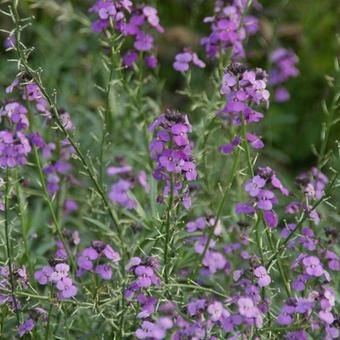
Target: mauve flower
(85,260)
(263,279)
(43,275)
(26,327)
(312,266)
(247,308)
(326,317)
(110,254)
(119,194)
(151,61)
(104,271)
(254,186)
(271,218)
(182,61)
(285,317)
(214,261)
(296,335)
(61,271)
(130,58)
(265,199)
(66,288)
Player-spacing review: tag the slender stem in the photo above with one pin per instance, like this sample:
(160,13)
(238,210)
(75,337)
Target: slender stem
(8,247)
(50,207)
(55,114)
(167,230)
(258,239)
(279,264)
(196,287)
(47,332)
(246,146)
(23,221)
(219,212)
(303,217)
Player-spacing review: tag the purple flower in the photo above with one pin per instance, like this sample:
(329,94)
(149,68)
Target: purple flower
(110,254)
(66,288)
(85,260)
(271,218)
(26,327)
(151,61)
(326,317)
(312,266)
(265,199)
(182,61)
(263,279)
(130,58)
(247,308)
(172,150)
(119,194)
(104,271)
(214,261)
(43,275)
(61,271)
(254,186)
(285,317)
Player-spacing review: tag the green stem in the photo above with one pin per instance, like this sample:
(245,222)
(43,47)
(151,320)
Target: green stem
(303,217)
(47,332)
(167,230)
(246,146)
(50,207)
(56,117)
(8,247)
(219,212)
(279,264)
(23,221)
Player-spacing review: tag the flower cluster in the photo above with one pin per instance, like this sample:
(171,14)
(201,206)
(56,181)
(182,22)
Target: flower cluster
(59,164)
(14,144)
(312,184)
(261,193)
(316,308)
(21,278)
(182,61)
(57,273)
(130,21)
(214,260)
(243,88)
(36,314)
(229,28)
(284,68)
(172,150)
(119,192)
(94,258)
(145,274)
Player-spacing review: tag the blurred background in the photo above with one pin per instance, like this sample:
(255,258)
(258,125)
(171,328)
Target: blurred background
(69,54)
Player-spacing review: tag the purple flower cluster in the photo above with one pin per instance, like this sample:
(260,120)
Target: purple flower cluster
(214,260)
(242,89)
(28,325)
(172,150)
(284,68)
(119,192)
(229,28)
(261,193)
(154,330)
(183,60)
(21,279)
(14,144)
(145,274)
(58,275)
(316,308)
(94,258)
(59,164)
(131,21)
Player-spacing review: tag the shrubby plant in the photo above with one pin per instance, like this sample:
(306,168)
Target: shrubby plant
(171,225)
